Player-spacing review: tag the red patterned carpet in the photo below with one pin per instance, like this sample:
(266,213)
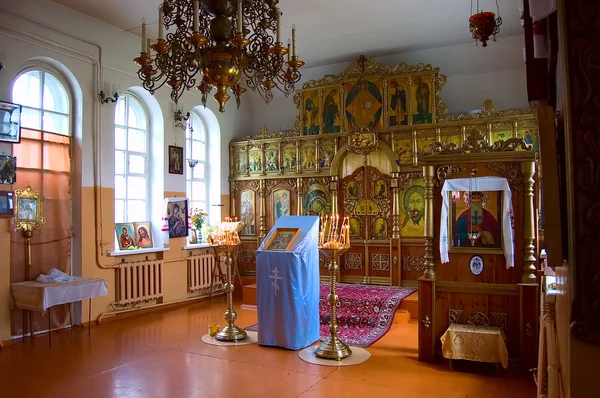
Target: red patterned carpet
(365,312)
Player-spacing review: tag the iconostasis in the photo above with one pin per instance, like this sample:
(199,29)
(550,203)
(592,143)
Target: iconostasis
(357,150)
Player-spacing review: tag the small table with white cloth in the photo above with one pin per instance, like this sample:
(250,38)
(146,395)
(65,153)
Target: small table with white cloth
(37,296)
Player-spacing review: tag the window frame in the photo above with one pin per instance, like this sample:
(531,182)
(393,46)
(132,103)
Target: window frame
(189,175)
(147,175)
(65,85)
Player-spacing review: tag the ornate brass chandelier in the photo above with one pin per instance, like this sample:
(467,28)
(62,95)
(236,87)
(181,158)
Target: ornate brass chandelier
(214,44)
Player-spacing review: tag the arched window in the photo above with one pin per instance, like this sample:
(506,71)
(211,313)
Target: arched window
(45,101)
(196,149)
(132,171)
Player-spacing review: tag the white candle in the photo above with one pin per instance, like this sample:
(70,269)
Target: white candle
(289,50)
(195,11)
(240,18)
(161,23)
(144,35)
(278,21)
(148,44)
(293,40)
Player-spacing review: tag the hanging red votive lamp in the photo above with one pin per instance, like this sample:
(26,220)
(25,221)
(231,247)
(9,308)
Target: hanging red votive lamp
(484,24)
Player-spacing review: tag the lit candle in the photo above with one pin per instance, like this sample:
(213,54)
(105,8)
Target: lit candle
(240,18)
(148,44)
(161,23)
(143,35)
(278,22)
(293,40)
(289,53)
(195,11)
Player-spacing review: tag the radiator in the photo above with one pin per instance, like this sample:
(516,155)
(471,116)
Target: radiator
(200,268)
(139,281)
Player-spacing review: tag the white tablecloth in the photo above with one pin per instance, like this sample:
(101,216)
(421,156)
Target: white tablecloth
(38,296)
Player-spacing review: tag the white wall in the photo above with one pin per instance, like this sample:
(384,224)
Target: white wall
(496,72)
(90,48)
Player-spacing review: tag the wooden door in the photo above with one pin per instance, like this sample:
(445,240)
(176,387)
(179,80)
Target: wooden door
(365,197)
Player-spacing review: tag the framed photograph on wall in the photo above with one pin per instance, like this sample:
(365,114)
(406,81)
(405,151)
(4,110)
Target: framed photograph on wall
(175,159)
(28,209)
(10,122)
(177,217)
(125,235)
(6,204)
(8,169)
(282,239)
(143,234)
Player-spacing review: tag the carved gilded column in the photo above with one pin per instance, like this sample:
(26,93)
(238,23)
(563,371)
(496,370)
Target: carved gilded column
(298,167)
(247,165)
(263,208)
(280,156)
(317,167)
(395,205)
(529,260)
(300,197)
(263,157)
(428,175)
(333,187)
(232,194)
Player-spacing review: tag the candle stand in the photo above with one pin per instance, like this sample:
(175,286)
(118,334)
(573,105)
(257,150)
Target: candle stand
(230,332)
(333,347)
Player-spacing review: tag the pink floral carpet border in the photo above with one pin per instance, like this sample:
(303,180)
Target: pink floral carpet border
(364,313)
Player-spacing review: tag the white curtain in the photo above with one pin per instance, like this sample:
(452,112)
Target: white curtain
(482,184)
(540,9)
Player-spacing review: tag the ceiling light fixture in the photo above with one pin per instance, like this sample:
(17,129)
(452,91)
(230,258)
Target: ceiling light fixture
(484,24)
(212,45)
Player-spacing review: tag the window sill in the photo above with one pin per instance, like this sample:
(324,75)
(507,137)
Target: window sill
(196,246)
(120,253)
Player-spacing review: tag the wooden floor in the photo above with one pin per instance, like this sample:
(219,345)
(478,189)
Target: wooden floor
(161,355)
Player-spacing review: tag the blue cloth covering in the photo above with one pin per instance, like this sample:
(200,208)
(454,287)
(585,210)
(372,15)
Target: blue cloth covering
(287,287)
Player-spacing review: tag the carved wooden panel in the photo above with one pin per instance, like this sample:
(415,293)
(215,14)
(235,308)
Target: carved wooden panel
(584,84)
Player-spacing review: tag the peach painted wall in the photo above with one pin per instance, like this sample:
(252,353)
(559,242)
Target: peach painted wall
(4,276)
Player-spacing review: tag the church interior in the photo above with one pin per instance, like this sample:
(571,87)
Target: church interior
(245,198)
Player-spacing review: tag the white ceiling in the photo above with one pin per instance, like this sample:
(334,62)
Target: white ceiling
(330,31)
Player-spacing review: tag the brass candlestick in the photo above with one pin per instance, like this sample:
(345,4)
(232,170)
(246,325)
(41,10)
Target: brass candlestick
(230,332)
(333,347)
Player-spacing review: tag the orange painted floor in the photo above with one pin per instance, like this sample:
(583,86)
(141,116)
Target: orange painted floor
(161,355)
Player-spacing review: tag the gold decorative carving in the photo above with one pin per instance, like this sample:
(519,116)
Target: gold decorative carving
(239,186)
(353,261)
(366,66)
(445,172)
(512,172)
(413,263)
(403,178)
(362,141)
(381,262)
(477,142)
(453,315)
(426,322)
(308,182)
(477,318)
(529,329)
(488,110)
(270,184)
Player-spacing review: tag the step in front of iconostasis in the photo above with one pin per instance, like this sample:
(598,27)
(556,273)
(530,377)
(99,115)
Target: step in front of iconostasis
(408,311)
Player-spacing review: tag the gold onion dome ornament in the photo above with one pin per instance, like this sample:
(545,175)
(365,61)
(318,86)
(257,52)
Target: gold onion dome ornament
(213,44)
